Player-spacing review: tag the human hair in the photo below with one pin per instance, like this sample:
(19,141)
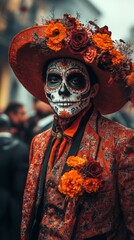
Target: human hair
(91,73)
(4,122)
(35,100)
(13,107)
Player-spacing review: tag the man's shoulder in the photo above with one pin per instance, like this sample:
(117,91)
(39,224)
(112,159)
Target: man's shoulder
(115,129)
(41,137)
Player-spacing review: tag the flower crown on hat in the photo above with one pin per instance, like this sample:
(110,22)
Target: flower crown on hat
(93,44)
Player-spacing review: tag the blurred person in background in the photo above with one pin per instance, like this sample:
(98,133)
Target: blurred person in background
(125,116)
(41,119)
(13,170)
(19,120)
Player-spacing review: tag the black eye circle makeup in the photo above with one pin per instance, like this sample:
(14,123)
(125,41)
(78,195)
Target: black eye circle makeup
(76,80)
(53,80)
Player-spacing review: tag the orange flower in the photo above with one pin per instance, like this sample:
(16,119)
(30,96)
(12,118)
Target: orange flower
(64,114)
(91,185)
(56,33)
(103,41)
(130,80)
(71,183)
(76,162)
(90,55)
(78,24)
(54,47)
(117,56)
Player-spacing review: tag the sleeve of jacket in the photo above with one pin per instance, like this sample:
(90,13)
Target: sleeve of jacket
(19,168)
(35,143)
(31,150)
(126,179)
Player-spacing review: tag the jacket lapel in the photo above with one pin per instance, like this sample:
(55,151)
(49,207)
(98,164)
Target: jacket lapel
(91,140)
(88,149)
(37,151)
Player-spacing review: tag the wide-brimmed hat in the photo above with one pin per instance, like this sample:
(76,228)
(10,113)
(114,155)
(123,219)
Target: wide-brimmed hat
(34,47)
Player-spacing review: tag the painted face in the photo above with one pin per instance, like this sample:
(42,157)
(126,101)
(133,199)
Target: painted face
(67,87)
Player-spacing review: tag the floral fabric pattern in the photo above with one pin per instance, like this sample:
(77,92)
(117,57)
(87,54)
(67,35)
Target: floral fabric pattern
(110,210)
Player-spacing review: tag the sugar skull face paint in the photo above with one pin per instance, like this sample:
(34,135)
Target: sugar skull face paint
(67,87)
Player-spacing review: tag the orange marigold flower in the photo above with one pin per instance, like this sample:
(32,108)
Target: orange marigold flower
(54,47)
(130,80)
(56,33)
(103,41)
(91,185)
(71,184)
(76,162)
(117,56)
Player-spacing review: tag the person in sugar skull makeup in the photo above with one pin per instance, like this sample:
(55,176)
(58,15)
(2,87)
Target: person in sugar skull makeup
(68,86)
(81,176)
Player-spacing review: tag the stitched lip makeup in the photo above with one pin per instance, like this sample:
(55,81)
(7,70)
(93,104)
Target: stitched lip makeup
(65,104)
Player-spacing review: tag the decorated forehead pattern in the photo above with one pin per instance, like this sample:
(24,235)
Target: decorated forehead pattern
(66,64)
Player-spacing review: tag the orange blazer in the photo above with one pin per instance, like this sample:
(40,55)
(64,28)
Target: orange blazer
(111,210)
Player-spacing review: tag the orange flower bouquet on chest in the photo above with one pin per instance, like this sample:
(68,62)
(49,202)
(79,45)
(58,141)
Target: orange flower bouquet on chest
(85,176)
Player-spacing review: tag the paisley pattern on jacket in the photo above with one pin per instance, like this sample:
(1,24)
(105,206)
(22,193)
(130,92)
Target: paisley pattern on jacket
(110,210)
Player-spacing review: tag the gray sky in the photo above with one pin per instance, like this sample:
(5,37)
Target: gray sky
(118,15)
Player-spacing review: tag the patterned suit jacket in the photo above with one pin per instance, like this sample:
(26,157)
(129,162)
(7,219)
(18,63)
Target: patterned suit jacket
(110,210)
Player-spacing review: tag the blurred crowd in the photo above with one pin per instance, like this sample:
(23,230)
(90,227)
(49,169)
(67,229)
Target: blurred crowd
(125,116)
(17,128)
(25,126)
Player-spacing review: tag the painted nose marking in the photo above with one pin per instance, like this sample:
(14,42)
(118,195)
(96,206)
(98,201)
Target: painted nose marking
(64,91)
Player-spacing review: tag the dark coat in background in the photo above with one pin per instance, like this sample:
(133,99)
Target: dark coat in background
(13,170)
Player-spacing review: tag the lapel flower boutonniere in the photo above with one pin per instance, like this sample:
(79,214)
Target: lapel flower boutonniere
(85,176)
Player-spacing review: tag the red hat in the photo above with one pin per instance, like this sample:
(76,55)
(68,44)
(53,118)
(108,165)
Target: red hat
(33,48)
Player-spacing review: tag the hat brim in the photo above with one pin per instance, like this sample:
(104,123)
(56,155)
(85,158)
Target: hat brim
(28,60)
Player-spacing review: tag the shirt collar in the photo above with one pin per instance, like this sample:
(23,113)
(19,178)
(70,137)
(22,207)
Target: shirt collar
(70,132)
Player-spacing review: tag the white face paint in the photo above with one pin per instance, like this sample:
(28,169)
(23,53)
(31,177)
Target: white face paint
(67,87)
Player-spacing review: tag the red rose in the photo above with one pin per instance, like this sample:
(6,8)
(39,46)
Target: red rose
(105,61)
(90,55)
(79,41)
(70,22)
(93,169)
